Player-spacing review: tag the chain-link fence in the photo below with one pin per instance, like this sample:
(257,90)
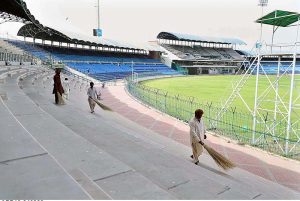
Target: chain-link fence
(232,123)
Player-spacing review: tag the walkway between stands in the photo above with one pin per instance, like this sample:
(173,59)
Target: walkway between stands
(274,168)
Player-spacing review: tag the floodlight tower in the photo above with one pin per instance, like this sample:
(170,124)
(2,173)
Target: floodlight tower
(98,9)
(262,4)
(98,32)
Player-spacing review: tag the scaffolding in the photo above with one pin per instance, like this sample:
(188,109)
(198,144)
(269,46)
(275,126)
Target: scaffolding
(277,92)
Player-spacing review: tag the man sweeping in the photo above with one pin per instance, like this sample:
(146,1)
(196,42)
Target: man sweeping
(92,96)
(66,86)
(197,133)
(58,89)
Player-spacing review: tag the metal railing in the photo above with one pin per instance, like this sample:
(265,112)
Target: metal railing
(11,57)
(233,124)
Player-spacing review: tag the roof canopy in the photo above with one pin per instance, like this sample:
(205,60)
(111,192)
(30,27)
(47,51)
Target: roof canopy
(279,18)
(32,31)
(33,28)
(15,7)
(194,38)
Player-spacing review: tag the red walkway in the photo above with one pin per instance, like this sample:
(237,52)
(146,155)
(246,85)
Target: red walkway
(274,168)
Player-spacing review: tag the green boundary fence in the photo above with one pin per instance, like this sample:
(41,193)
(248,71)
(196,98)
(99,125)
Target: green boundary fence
(233,124)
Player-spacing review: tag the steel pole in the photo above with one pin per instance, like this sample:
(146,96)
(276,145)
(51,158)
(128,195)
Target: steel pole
(132,71)
(277,95)
(298,25)
(255,99)
(261,25)
(272,39)
(290,107)
(98,14)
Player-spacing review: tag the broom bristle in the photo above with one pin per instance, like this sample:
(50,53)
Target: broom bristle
(221,160)
(104,107)
(60,99)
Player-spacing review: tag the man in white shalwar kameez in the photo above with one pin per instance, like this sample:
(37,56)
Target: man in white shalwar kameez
(66,86)
(92,95)
(197,133)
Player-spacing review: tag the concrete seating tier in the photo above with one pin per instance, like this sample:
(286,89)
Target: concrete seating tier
(64,152)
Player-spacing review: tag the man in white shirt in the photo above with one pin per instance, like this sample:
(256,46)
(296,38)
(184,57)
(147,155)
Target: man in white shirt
(66,86)
(92,95)
(197,133)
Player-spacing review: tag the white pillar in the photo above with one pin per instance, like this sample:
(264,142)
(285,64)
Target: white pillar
(288,130)
(255,100)
(277,95)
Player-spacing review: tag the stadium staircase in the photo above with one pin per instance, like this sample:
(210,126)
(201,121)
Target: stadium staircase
(64,152)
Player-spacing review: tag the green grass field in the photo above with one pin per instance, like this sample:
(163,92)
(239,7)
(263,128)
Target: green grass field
(216,89)
(173,96)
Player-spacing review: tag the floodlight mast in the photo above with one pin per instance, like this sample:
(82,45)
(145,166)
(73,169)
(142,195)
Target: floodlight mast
(98,13)
(262,4)
(98,8)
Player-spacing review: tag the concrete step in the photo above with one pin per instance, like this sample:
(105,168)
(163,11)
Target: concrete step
(149,159)
(28,171)
(152,157)
(78,155)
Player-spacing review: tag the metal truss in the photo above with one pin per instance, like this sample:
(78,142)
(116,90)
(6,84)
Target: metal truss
(6,17)
(281,121)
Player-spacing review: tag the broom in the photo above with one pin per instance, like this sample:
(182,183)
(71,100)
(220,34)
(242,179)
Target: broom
(221,160)
(60,99)
(104,107)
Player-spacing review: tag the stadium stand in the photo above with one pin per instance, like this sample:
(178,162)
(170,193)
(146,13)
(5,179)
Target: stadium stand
(10,54)
(104,66)
(271,68)
(102,57)
(199,52)
(202,55)
(106,72)
(61,152)
(34,50)
(92,165)
(187,46)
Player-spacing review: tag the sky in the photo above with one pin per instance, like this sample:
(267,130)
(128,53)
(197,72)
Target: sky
(137,21)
